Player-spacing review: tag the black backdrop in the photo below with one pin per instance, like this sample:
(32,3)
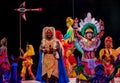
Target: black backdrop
(54,14)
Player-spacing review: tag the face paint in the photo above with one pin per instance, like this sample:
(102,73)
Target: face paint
(89,35)
(49,34)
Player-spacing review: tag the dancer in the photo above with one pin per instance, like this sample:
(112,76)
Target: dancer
(5,73)
(89,40)
(108,56)
(69,36)
(69,58)
(51,67)
(27,61)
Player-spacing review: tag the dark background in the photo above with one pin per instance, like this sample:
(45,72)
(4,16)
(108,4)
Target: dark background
(54,14)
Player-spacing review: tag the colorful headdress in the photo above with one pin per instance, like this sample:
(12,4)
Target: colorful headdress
(91,24)
(69,20)
(108,38)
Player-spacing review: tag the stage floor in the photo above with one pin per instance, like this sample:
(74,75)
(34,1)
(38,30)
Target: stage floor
(72,80)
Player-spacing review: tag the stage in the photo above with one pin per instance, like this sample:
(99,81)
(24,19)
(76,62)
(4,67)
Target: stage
(72,80)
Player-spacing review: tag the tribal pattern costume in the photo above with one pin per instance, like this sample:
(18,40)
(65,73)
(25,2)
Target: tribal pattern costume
(89,40)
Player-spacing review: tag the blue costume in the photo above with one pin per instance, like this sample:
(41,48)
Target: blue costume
(51,67)
(63,78)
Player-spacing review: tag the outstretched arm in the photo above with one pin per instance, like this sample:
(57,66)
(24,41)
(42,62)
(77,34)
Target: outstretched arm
(101,29)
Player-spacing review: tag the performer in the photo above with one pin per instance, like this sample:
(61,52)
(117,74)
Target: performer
(89,40)
(69,58)
(27,61)
(108,55)
(51,67)
(4,62)
(69,36)
(68,45)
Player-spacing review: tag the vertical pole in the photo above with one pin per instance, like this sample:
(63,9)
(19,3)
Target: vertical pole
(20,32)
(73,8)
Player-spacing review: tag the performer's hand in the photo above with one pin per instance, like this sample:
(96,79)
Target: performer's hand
(54,49)
(44,50)
(21,50)
(21,57)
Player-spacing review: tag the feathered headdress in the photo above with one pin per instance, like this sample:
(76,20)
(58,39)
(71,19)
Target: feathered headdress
(90,23)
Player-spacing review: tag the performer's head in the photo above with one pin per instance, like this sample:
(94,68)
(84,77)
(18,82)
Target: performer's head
(89,30)
(4,41)
(59,34)
(108,42)
(48,33)
(89,33)
(99,70)
(69,22)
(30,48)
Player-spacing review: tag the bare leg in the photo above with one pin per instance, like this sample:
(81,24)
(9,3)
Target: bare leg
(30,72)
(23,72)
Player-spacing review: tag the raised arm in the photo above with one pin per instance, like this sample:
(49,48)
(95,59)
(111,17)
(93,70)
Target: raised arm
(77,34)
(21,50)
(101,29)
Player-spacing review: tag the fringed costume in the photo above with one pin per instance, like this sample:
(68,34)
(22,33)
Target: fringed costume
(51,67)
(27,61)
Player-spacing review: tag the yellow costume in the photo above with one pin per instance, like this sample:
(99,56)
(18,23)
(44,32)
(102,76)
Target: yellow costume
(27,63)
(108,56)
(50,47)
